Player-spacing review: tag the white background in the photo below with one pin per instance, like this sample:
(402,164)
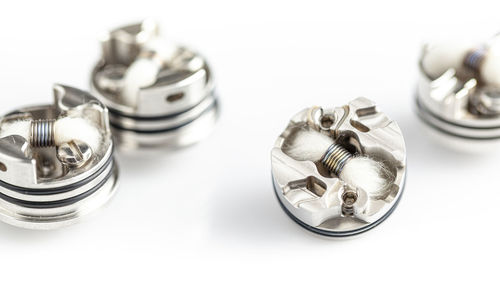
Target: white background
(209,212)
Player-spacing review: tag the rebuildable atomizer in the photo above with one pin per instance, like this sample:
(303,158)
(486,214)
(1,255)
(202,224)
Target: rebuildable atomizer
(458,94)
(158,94)
(56,161)
(339,171)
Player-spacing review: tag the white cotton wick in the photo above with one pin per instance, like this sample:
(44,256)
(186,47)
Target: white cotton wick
(143,72)
(16,127)
(366,174)
(308,145)
(162,48)
(440,57)
(360,172)
(490,67)
(66,129)
(72,128)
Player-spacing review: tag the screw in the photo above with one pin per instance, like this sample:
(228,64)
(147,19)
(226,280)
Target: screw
(74,153)
(327,120)
(349,198)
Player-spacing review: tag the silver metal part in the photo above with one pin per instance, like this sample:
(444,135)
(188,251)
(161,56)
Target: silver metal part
(320,201)
(44,186)
(178,109)
(74,153)
(458,104)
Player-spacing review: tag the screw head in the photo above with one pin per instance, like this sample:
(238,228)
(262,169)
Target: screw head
(349,197)
(74,153)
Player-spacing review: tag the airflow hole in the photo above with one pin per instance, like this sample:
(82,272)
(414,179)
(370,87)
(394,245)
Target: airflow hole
(359,126)
(175,97)
(3,168)
(311,183)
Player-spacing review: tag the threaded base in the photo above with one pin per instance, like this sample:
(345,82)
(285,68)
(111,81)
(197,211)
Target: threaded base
(474,58)
(335,158)
(42,133)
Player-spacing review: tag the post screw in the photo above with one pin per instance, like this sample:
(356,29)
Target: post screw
(74,153)
(349,197)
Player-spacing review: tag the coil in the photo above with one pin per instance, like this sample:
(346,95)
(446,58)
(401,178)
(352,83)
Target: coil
(474,58)
(42,133)
(335,158)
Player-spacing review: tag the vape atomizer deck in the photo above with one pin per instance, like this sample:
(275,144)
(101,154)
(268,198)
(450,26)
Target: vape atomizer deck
(459,91)
(340,171)
(56,161)
(158,94)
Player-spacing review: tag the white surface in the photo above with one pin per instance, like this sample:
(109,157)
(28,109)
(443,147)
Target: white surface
(208,212)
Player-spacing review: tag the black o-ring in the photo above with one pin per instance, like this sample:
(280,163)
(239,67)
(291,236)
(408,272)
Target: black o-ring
(58,203)
(57,190)
(423,109)
(338,233)
(214,104)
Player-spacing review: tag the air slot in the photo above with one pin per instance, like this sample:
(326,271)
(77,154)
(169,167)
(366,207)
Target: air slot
(175,97)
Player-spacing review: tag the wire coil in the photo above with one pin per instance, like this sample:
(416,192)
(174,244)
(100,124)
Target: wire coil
(474,58)
(42,133)
(335,158)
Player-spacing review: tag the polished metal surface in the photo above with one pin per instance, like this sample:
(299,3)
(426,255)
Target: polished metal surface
(317,199)
(458,104)
(178,109)
(74,153)
(48,186)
